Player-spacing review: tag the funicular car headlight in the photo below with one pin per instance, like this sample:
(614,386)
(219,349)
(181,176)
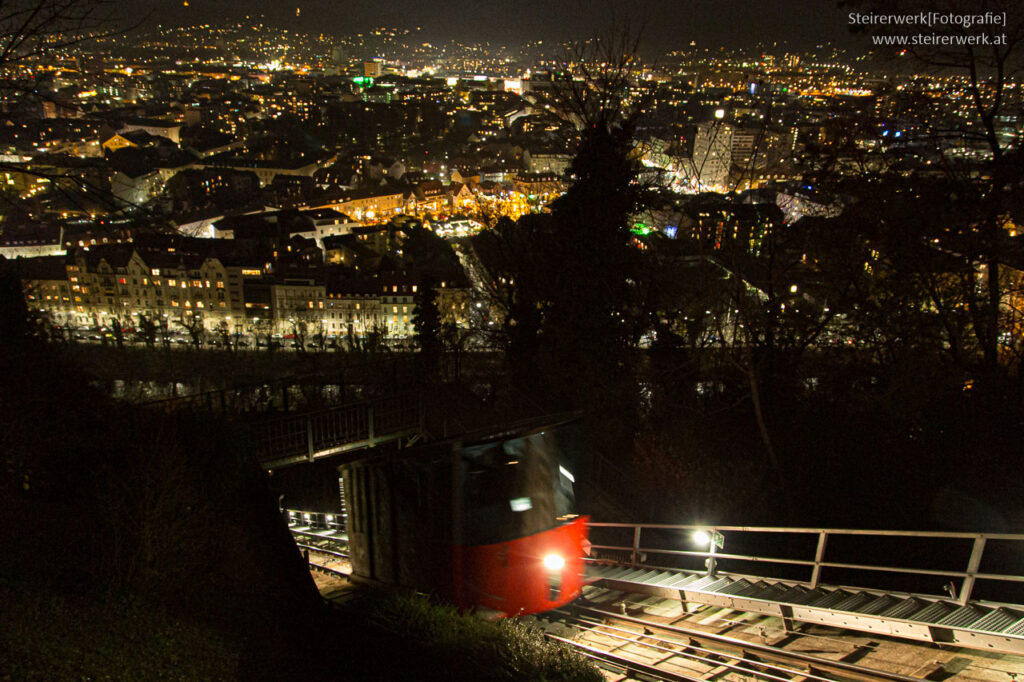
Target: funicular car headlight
(554,562)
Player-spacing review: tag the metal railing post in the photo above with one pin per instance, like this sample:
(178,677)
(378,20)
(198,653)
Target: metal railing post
(369,423)
(636,545)
(819,556)
(973,564)
(309,436)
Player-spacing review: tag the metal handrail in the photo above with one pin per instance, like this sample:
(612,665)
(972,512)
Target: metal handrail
(826,564)
(364,423)
(808,530)
(969,575)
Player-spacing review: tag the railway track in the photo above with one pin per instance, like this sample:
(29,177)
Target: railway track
(327,553)
(631,646)
(673,661)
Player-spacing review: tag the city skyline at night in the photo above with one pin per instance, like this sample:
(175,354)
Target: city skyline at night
(690,317)
(664,24)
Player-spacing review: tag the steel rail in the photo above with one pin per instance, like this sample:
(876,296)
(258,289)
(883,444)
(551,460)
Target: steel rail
(741,664)
(314,548)
(813,662)
(626,664)
(327,569)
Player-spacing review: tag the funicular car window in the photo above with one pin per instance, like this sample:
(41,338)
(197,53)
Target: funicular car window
(508,490)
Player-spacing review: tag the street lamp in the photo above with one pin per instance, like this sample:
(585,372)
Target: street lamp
(711,539)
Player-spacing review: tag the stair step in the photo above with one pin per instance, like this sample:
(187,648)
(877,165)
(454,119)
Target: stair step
(791,595)
(964,616)
(735,587)
(855,602)
(659,578)
(904,608)
(718,585)
(933,613)
(809,596)
(758,590)
(1016,629)
(771,593)
(997,621)
(614,571)
(702,583)
(830,601)
(878,605)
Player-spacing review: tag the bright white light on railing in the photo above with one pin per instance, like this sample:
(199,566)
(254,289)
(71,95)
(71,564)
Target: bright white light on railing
(306,517)
(330,518)
(702,537)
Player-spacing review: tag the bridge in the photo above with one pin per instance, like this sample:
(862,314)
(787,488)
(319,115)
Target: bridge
(308,436)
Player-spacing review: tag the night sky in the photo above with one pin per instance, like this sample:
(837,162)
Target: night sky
(668,23)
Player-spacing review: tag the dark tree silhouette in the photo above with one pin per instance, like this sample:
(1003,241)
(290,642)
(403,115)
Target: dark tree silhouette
(427,324)
(989,70)
(193,324)
(147,330)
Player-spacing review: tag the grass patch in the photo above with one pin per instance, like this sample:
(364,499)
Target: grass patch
(466,647)
(50,636)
